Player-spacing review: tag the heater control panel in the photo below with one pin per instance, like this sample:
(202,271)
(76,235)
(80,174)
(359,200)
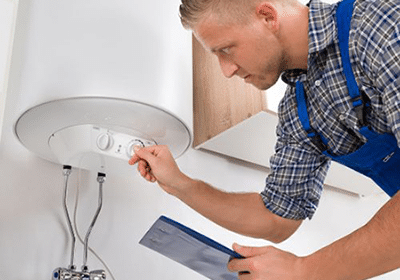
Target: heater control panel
(119,144)
(116,143)
(94,147)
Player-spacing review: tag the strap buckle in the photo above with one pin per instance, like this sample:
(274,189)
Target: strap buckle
(358,105)
(316,140)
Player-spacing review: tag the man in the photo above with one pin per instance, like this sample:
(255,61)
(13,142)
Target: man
(320,119)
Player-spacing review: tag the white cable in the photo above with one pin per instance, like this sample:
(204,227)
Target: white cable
(77,231)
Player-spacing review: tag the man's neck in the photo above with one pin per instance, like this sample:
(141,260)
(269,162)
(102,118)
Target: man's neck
(295,35)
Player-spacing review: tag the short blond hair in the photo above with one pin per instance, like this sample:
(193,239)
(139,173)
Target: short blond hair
(193,11)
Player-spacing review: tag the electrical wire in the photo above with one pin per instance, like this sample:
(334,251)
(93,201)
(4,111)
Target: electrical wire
(77,230)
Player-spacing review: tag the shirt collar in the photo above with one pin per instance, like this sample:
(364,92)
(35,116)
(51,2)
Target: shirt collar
(321,26)
(321,34)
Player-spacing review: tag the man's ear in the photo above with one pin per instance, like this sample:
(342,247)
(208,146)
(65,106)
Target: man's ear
(269,14)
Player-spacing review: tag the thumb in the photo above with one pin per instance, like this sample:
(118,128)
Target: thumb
(247,251)
(140,154)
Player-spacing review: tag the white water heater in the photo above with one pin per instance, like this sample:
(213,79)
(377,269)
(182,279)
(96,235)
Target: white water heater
(95,78)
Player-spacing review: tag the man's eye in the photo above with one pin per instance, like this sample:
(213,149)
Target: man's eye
(226,50)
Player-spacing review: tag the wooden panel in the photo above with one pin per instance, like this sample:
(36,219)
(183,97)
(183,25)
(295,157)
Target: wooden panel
(219,103)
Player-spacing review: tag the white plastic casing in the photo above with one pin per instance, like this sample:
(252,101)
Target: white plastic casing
(110,64)
(98,133)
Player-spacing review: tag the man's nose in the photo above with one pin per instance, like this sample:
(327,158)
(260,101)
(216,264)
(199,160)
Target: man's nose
(228,68)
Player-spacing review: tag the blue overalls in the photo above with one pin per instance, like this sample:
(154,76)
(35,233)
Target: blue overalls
(379,157)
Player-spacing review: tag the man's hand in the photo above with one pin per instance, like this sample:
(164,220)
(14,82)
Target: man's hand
(265,263)
(244,213)
(156,164)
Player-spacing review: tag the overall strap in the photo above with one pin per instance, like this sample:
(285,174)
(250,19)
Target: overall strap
(305,120)
(344,14)
(343,18)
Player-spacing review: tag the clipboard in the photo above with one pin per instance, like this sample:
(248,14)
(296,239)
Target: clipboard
(190,248)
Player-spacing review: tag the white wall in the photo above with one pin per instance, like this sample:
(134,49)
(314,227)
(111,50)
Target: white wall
(34,236)
(8,10)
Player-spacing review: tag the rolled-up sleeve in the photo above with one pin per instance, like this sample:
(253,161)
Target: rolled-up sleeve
(294,186)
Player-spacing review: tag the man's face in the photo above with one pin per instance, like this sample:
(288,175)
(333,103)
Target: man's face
(251,51)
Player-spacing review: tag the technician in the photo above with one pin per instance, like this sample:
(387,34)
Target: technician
(342,66)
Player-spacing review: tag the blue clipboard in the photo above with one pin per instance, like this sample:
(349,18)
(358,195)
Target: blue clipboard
(190,248)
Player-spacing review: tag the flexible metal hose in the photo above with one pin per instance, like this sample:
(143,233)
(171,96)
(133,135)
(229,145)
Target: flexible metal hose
(101,180)
(67,171)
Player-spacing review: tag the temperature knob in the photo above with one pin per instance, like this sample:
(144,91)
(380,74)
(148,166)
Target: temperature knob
(104,141)
(129,149)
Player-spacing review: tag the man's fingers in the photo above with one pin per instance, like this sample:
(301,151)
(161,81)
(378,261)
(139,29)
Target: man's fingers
(134,159)
(155,163)
(241,266)
(139,153)
(246,251)
(143,167)
(145,171)
(250,262)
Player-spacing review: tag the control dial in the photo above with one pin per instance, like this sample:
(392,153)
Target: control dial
(105,141)
(131,145)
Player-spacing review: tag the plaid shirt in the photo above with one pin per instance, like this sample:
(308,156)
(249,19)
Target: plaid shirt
(298,168)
